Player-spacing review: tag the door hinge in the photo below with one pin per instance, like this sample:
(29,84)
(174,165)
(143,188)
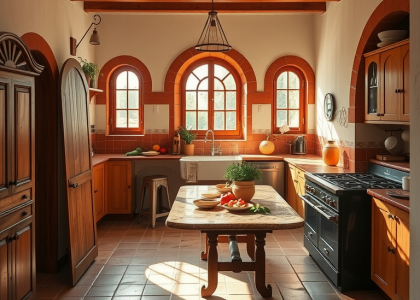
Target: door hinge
(303,120)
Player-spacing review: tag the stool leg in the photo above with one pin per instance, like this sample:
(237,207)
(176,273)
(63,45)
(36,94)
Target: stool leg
(153,204)
(167,195)
(143,192)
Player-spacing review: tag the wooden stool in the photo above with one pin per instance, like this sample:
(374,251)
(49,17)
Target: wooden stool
(153,183)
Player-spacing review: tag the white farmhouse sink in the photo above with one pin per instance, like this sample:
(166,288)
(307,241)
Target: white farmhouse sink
(209,167)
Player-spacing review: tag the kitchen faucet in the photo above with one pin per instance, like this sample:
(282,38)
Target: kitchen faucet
(212,141)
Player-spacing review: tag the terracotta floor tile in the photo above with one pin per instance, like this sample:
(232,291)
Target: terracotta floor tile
(133,279)
(159,298)
(86,280)
(101,291)
(157,290)
(133,270)
(239,288)
(312,277)
(318,287)
(130,290)
(48,290)
(114,270)
(305,269)
(286,278)
(334,296)
(77,291)
(105,279)
(97,298)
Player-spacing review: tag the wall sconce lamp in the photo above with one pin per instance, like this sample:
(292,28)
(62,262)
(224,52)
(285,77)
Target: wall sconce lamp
(94,39)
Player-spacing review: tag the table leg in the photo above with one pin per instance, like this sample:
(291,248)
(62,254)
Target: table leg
(212,266)
(259,274)
(250,246)
(206,249)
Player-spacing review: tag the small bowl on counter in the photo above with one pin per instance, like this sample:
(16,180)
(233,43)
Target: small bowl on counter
(206,203)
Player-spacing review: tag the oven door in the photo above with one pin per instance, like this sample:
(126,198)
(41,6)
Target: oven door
(326,228)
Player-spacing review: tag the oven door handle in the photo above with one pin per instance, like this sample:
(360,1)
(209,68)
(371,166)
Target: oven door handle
(317,206)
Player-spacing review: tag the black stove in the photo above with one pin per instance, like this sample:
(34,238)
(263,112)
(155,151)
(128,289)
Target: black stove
(338,222)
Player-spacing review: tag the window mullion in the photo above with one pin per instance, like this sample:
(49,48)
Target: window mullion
(210,111)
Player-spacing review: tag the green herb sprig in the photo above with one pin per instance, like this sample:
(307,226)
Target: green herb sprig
(260,209)
(186,135)
(242,172)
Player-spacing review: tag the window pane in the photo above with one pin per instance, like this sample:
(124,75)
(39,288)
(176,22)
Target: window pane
(191,101)
(121,99)
(293,118)
(203,102)
(133,81)
(219,120)
(203,120)
(230,100)
(190,120)
(133,118)
(230,83)
(231,120)
(293,99)
(282,81)
(281,118)
(219,100)
(293,81)
(281,99)
(218,85)
(202,71)
(133,99)
(121,119)
(122,80)
(204,85)
(192,82)
(220,72)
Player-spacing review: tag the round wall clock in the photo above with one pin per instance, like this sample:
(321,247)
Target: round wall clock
(329,106)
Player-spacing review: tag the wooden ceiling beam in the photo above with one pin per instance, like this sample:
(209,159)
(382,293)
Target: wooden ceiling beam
(208,1)
(198,7)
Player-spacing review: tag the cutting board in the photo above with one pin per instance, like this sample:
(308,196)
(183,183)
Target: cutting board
(389,157)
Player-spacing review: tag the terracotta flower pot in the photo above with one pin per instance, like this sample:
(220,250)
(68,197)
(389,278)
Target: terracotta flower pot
(244,190)
(88,80)
(330,154)
(266,147)
(189,149)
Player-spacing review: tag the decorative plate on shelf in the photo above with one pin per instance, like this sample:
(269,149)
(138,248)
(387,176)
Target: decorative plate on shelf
(150,153)
(238,209)
(398,193)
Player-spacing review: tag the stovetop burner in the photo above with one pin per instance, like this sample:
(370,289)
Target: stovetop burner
(359,181)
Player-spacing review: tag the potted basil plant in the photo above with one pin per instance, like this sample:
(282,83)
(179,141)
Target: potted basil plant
(91,71)
(243,176)
(188,136)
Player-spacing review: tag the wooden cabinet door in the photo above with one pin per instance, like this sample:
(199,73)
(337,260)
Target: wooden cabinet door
(23,259)
(383,239)
(291,183)
(99,191)
(119,181)
(405,83)
(390,68)
(301,191)
(372,103)
(402,255)
(5,138)
(5,268)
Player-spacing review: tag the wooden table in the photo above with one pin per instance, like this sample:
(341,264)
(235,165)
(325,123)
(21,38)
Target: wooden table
(218,221)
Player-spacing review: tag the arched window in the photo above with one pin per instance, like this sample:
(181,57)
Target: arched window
(211,93)
(289,100)
(125,94)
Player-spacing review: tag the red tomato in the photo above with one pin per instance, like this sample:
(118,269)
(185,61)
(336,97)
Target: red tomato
(224,199)
(162,150)
(232,196)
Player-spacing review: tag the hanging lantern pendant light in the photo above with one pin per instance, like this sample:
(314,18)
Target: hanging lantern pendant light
(213,38)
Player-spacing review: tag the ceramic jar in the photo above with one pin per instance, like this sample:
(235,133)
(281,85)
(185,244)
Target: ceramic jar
(330,154)
(189,149)
(244,190)
(266,147)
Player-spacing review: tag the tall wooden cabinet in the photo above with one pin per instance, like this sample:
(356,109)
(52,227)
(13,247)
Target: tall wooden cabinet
(295,187)
(387,84)
(390,249)
(118,191)
(17,168)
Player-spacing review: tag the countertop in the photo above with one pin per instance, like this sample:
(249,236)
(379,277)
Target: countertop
(399,165)
(185,215)
(309,163)
(381,194)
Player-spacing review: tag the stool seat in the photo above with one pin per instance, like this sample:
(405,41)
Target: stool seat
(154,183)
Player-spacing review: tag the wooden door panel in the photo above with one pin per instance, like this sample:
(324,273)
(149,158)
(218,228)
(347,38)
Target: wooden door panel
(98,190)
(402,263)
(405,83)
(75,116)
(383,236)
(390,83)
(4,265)
(23,135)
(23,262)
(3,142)
(119,187)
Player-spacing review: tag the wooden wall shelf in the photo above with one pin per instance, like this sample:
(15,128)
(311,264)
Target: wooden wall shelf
(93,92)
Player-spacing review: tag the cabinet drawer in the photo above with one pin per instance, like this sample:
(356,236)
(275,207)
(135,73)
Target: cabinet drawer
(15,217)
(15,200)
(300,173)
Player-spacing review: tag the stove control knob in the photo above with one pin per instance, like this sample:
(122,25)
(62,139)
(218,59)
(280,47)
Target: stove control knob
(312,190)
(329,200)
(307,188)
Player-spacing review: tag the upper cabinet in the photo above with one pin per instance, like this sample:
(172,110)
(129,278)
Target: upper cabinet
(387,84)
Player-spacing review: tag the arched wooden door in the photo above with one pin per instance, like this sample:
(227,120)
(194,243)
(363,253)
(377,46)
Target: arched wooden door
(77,144)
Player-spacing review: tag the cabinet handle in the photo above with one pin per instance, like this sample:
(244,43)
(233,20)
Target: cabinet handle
(391,250)
(129,186)
(74,185)
(15,237)
(95,191)
(390,216)
(13,182)
(295,180)
(400,91)
(326,251)
(378,114)
(396,91)
(25,196)
(24,213)
(310,234)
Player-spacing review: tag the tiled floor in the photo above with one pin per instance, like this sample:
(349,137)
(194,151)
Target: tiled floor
(137,262)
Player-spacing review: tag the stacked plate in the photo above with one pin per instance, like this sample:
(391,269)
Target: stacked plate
(391,36)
